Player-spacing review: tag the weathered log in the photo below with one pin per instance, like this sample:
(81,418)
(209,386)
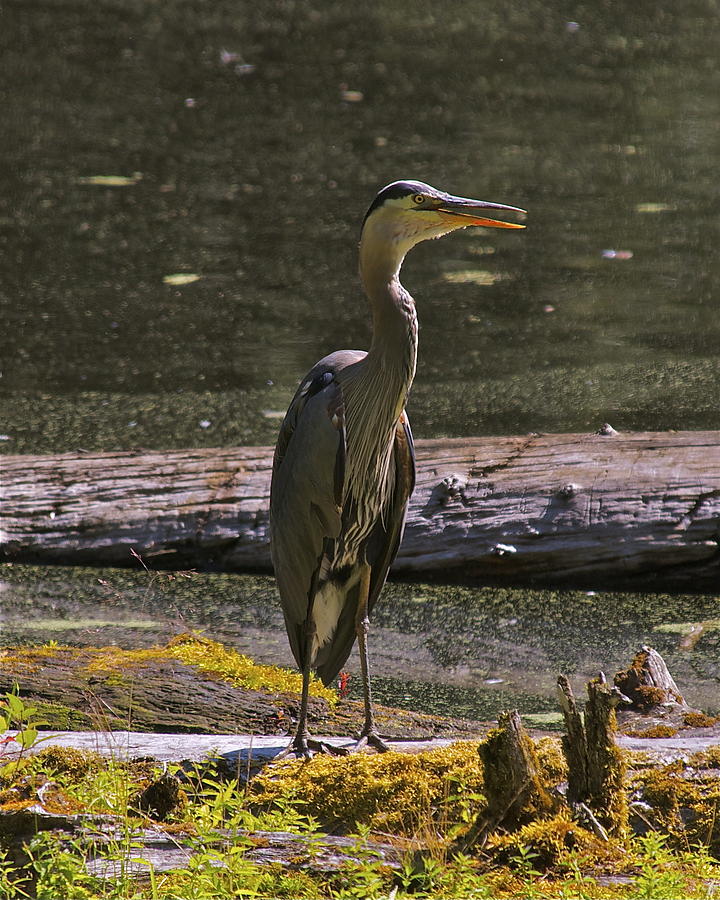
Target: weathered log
(629,510)
(81,688)
(165,852)
(596,767)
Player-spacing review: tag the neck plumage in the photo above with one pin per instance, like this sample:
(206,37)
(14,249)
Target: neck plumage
(393,352)
(376,388)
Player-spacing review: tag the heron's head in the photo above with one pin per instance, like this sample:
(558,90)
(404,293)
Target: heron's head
(407,212)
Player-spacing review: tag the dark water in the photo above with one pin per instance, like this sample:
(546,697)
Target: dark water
(252,160)
(244,141)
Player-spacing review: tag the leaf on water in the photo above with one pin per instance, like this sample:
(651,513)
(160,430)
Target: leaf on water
(111,180)
(181,278)
(653,207)
(474,276)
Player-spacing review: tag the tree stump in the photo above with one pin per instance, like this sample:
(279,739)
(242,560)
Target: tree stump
(513,787)
(648,683)
(596,765)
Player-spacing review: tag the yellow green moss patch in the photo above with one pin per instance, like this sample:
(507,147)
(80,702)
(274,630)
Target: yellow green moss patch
(655,731)
(699,720)
(209,657)
(23,660)
(685,808)
(706,759)
(547,842)
(221,662)
(391,792)
(398,792)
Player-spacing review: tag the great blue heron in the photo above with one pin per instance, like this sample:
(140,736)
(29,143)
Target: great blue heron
(344,464)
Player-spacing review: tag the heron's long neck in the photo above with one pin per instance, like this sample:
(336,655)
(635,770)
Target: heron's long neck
(375,389)
(393,353)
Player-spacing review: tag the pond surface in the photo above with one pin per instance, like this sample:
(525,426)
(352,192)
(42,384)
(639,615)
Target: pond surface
(435,648)
(242,142)
(238,144)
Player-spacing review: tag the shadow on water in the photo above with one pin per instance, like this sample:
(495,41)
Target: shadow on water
(452,650)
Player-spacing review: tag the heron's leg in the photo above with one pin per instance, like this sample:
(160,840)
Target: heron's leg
(302,735)
(369,734)
(302,744)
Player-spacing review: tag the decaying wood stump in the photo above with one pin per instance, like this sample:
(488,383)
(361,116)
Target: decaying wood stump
(513,787)
(596,766)
(629,510)
(648,683)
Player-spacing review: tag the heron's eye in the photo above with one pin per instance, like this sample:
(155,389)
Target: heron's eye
(418,198)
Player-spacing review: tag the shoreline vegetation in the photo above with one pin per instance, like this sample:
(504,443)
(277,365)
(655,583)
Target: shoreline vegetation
(493,811)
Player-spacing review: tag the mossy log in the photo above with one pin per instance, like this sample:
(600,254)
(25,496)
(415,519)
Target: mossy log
(628,510)
(596,766)
(155,691)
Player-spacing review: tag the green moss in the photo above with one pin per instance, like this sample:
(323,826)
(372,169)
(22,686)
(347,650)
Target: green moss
(654,731)
(706,759)
(687,809)
(399,792)
(219,661)
(551,759)
(114,665)
(699,720)
(71,764)
(550,841)
(57,717)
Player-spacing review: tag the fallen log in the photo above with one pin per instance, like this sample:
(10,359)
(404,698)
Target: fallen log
(603,510)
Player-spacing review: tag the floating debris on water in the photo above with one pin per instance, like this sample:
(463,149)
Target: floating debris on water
(617,254)
(654,207)
(181,278)
(111,180)
(474,276)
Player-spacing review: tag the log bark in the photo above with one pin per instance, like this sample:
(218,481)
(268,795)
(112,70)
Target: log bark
(621,510)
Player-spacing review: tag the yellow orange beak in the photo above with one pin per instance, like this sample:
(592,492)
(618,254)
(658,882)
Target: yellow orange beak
(462,211)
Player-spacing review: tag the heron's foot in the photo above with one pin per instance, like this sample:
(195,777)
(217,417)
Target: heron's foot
(369,737)
(305,747)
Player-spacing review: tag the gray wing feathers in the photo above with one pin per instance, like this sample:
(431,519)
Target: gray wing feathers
(306,489)
(381,549)
(304,511)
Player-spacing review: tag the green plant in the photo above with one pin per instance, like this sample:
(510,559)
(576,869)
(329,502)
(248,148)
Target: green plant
(579,886)
(361,877)
(523,862)
(12,879)
(659,877)
(16,714)
(58,871)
